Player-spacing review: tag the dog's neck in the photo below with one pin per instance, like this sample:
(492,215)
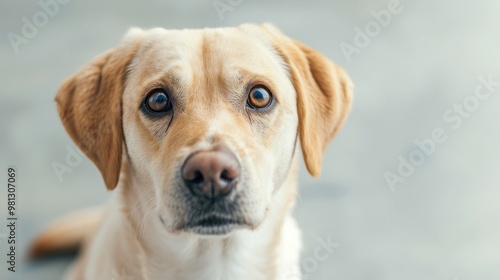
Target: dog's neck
(245,254)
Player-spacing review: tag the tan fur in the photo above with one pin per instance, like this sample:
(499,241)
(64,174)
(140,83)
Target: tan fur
(83,104)
(208,74)
(324,96)
(65,233)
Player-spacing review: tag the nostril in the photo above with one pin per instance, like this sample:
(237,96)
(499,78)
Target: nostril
(197,178)
(225,176)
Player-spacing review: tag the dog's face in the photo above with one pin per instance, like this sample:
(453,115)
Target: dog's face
(216,96)
(208,120)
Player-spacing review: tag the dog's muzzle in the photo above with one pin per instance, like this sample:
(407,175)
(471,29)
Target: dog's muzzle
(212,177)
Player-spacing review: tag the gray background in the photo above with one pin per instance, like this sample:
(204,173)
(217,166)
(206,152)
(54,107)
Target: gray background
(442,223)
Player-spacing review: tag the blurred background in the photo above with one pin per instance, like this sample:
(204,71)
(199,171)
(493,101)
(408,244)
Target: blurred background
(396,208)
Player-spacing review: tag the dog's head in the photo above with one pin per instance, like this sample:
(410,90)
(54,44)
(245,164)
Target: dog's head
(207,120)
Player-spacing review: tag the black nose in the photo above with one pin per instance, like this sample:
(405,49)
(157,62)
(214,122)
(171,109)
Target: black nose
(212,173)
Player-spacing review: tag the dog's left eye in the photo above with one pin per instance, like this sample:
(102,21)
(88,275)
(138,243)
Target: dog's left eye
(157,101)
(259,97)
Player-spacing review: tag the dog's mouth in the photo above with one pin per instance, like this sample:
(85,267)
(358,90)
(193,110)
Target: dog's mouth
(214,225)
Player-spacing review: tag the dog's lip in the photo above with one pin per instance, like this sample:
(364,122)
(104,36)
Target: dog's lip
(215,221)
(214,225)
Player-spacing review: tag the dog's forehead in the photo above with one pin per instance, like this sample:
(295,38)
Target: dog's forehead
(184,53)
(192,43)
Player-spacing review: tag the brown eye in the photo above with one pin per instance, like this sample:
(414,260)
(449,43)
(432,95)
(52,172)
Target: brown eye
(158,101)
(259,97)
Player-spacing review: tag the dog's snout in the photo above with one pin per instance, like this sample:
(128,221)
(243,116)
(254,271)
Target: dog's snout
(212,173)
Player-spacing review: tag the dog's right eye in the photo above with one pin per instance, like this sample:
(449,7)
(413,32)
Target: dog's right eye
(157,102)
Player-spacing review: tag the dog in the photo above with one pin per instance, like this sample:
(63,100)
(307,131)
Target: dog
(196,133)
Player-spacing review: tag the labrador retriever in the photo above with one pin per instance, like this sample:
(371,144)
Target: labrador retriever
(196,133)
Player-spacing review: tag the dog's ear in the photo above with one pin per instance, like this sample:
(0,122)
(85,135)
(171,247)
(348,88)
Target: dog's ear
(324,96)
(89,104)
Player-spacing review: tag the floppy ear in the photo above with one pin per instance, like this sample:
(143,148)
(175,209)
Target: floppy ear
(89,104)
(324,96)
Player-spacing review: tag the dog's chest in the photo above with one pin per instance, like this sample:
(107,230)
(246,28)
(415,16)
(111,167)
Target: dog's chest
(222,260)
